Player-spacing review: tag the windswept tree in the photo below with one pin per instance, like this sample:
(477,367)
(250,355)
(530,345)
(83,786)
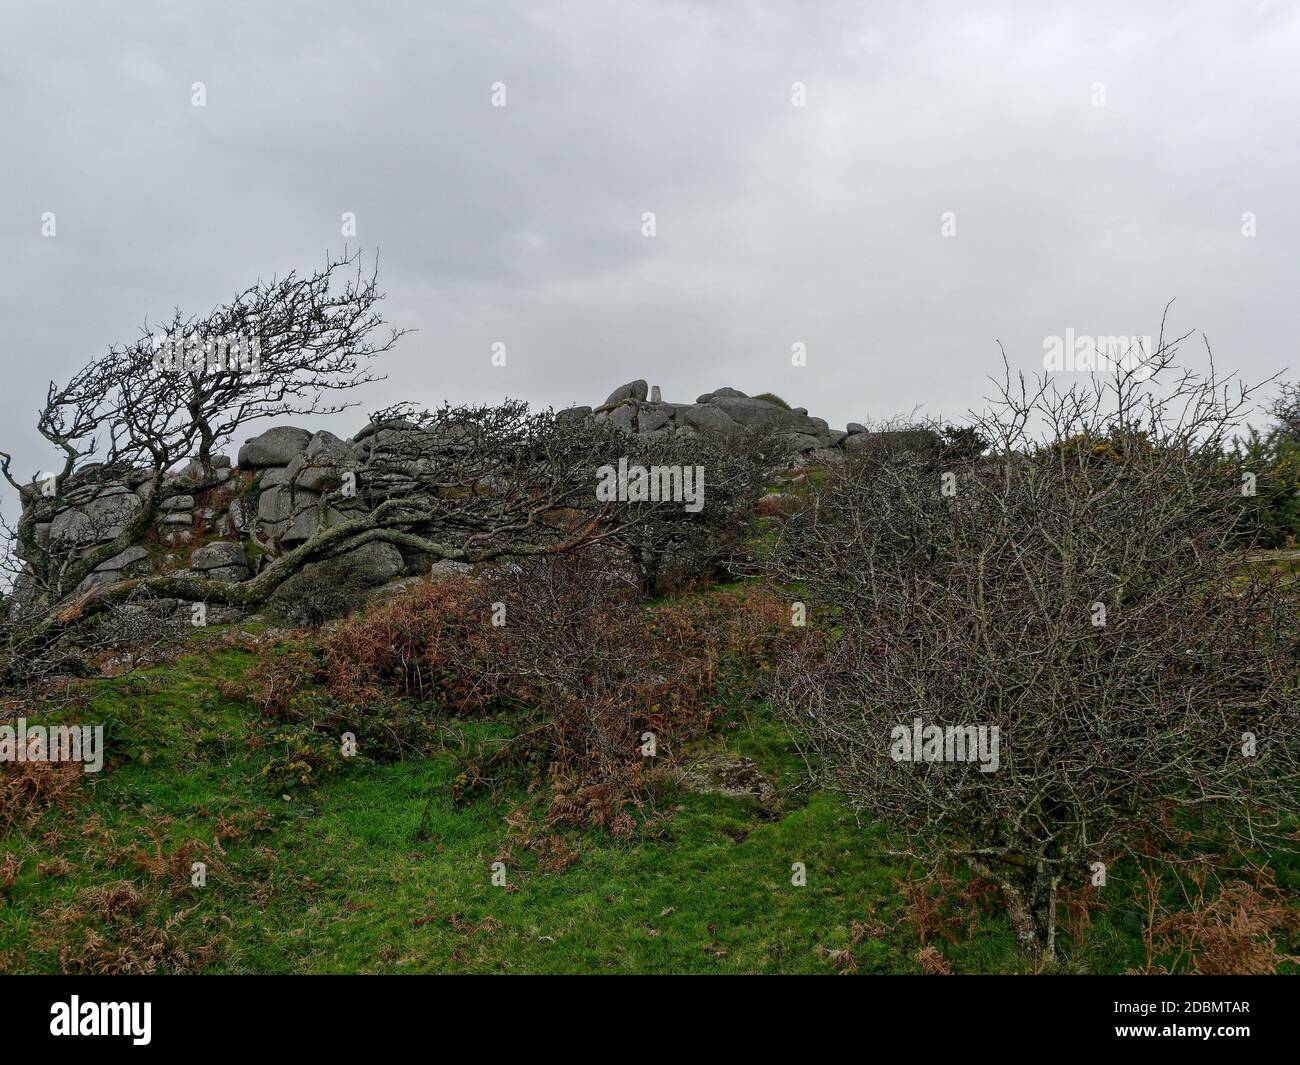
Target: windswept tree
(279,348)
(1079,594)
(466,484)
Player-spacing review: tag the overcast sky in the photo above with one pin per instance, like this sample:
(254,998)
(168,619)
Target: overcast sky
(1098,159)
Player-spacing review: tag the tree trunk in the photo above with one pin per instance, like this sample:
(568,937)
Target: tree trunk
(1031,909)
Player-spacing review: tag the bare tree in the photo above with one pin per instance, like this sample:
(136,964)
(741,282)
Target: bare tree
(1079,591)
(131,415)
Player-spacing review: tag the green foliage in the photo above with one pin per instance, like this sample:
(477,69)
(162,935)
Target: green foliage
(1274,458)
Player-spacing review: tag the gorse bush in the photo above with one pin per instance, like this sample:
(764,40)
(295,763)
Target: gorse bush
(1274,510)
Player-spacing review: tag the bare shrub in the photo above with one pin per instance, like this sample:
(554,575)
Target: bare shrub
(1077,590)
(587,669)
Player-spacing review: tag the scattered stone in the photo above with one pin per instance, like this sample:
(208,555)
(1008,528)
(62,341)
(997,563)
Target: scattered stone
(449,567)
(730,776)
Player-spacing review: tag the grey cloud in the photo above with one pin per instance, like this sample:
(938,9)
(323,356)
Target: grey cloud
(776,224)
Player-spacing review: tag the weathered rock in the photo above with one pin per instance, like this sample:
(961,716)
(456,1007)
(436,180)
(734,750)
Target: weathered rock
(280,503)
(632,390)
(572,415)
(228,574)
(855,427)
(97,579)
(326,445)
(448,567)
(393,587)
(622,417)
(307,522)
(371,428)
(177,503)
(802,442)
(650,418)
(118,568)
(370,565)
(100,518)
(730,776)
(213,613)
(894,442)
(759,414)
(710,419)
(275,447)
(315,475)
(194,471)
(217,554)
(123,559)
(723,393)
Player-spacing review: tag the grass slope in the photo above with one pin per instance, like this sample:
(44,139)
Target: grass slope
(339,878)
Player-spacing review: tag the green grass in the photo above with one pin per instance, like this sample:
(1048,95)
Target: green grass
(339,878)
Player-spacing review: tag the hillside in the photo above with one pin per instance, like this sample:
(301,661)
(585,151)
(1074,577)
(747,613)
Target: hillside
(376,867)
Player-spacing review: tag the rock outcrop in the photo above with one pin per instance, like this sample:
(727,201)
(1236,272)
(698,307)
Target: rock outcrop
(722,411)
(276,498)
